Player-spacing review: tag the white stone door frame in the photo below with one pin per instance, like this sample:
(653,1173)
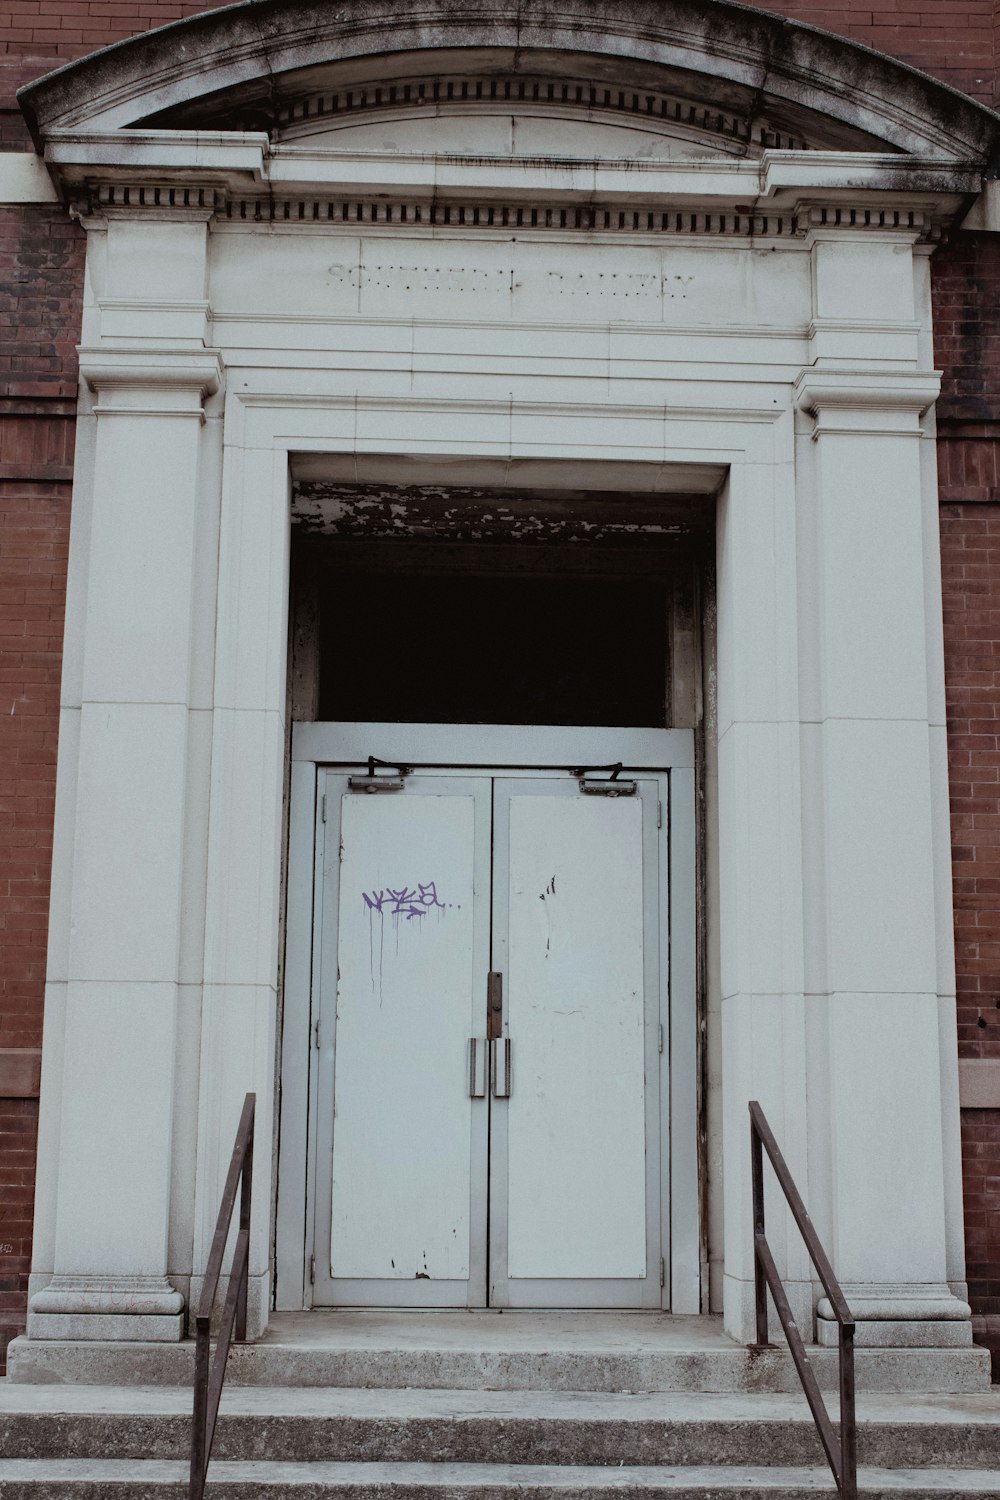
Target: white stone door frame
(778,1045)
(741,429)
(507,750)
(830,741)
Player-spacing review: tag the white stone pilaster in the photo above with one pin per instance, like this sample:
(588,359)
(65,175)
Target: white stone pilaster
(876,1059)
(239,1005)
(111,1131)
(763,1035)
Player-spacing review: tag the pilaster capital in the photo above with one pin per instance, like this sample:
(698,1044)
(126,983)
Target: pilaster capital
(876,402)
(152,368)
(151,380)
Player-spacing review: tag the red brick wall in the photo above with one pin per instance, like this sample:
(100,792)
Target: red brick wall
(953,39)
(967,339)
(34,527)
(18,1126)
(41,263)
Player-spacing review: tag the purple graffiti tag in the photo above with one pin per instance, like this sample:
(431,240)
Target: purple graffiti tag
(404,904)
(407,901)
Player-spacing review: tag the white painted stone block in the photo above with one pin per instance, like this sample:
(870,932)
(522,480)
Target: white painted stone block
(127,856)
(625,436)
(49,1125)
(304,274)
(433,428)
(944,925)
(184,1132)
(251,629)
(870,281)
(205,579)
(23,179)
(870,531)
(78,562)
(763,1058)
(241,920)
(63,837)
(237,1057)
(194,872)
(879,857)
(814,855)
(889,1334)
(141,569)
(760,858)
(124,1324)
(115,1130)
(887,1155)
(951,1146)
(155,260)
(757,584)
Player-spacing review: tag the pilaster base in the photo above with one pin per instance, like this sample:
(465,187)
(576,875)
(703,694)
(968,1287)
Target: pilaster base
(129,1309)
(894,1316)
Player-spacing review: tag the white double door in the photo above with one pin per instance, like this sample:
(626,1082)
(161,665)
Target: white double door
(490,953)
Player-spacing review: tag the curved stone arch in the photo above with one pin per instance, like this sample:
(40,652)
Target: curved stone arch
(805,82)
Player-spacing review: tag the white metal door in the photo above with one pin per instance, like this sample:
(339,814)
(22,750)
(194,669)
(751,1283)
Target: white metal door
(428,1149)
(575,1161)
(401,1206)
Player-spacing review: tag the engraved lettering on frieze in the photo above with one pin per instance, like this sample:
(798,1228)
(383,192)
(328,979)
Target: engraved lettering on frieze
(606,285)
(344,276)
(475,281)
(675,287)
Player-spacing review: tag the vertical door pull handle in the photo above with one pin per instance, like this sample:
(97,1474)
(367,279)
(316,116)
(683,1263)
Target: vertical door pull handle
(501,1077)
(477,1069)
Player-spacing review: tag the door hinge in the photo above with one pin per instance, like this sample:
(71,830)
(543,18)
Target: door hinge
(312,1269)
(659,814)
(660,1041)
(322,807)
(316,1035)
(663,1272)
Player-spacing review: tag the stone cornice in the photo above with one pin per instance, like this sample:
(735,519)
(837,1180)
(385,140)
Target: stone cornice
(245,180)
(192,162)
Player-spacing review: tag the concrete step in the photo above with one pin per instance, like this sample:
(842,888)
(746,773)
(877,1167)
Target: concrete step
(459,1350)
(507,1427)
(93,1479)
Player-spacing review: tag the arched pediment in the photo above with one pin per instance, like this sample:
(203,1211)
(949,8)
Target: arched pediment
(646,78)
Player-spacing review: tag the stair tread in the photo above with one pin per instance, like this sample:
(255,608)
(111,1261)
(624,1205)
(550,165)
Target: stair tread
(980,1408)
(524,1476)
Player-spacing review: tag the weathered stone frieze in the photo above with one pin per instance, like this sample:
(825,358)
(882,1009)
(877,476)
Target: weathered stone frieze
(415,214)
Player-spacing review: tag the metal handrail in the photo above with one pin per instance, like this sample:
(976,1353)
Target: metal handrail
(208,1378)
(842,1455)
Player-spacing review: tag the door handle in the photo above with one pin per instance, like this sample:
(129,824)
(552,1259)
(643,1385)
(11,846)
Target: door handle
(501,1076)
(494,1004)
(477,1069)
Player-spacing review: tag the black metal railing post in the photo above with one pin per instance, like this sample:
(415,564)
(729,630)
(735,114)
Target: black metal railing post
(209,1374)
(757,1186)
(841,1450)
